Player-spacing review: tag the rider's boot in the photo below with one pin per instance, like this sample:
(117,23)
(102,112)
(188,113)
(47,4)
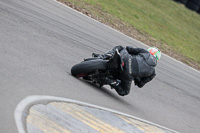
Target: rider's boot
(110,81)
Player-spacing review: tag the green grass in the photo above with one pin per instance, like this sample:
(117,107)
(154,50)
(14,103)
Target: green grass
(165,20)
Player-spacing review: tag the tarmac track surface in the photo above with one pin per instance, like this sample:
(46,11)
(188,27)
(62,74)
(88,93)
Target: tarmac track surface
(40,40)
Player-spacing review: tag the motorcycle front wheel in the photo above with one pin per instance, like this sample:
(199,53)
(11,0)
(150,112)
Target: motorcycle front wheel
(87,67)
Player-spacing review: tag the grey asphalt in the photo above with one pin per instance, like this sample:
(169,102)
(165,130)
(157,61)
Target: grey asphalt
(40,40)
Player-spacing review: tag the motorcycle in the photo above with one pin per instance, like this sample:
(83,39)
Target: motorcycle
(97,68)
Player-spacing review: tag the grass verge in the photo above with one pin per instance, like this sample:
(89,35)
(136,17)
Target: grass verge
(162,23)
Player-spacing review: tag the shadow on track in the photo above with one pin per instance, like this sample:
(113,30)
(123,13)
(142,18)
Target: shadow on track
(105,91)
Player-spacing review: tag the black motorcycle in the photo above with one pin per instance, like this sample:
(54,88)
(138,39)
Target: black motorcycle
(97,68)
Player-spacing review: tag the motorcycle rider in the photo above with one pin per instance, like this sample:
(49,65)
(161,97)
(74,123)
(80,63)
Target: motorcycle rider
(139,65)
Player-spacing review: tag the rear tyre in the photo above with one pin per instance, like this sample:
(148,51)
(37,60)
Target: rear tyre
(85,68)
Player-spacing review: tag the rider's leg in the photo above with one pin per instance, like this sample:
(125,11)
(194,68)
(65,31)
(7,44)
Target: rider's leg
(123,88)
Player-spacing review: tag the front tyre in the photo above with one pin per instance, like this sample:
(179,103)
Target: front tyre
(85,68)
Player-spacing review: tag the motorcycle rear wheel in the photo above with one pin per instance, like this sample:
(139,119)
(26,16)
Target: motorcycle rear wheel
(87,67)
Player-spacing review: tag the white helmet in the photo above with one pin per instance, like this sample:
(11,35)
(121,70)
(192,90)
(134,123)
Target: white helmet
(155,52)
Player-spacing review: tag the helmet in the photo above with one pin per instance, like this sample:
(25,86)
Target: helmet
(155,52)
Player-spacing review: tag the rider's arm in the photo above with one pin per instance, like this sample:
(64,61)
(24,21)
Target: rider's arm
(135,51)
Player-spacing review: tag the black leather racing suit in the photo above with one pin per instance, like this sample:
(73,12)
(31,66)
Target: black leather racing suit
(139,65)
